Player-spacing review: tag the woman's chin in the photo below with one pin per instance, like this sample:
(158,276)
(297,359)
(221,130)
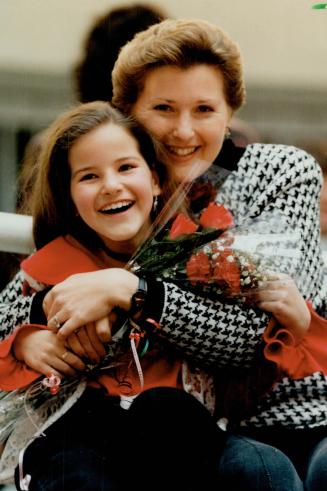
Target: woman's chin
(188,171)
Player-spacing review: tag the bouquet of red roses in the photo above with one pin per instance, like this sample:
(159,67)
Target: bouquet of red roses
(214,257)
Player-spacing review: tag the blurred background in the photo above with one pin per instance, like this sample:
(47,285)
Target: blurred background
(284,46)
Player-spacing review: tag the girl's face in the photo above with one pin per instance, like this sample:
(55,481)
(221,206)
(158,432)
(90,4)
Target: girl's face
(186,111)
(112,186)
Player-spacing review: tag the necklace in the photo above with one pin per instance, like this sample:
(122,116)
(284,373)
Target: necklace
(119,256)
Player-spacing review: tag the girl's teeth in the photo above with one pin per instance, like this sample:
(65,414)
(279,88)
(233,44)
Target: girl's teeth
(117,206)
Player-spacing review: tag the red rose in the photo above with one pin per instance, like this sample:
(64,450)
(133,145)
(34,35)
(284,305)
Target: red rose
(216,216)
(226,270)
(198,268)
(182,225)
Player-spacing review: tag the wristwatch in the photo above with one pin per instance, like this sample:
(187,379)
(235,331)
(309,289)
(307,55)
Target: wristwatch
(138,298)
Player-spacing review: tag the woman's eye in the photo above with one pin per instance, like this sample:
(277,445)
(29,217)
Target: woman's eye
(163,107)
(126,167)
(204,108)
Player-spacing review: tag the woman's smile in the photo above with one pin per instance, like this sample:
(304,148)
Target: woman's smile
(186,112)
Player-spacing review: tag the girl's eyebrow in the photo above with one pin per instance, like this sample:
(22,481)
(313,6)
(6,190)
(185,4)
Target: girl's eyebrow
(82,169)
(89,168)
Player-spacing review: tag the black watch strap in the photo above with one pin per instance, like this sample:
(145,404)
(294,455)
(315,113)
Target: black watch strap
(139,297)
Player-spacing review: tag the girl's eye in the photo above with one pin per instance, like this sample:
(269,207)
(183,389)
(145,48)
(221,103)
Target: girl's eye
(88,177)
(204,108)
(163,107)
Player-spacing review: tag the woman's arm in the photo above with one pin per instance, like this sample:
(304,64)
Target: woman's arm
(15,308)
(214,333)
(269,177)
(281,297)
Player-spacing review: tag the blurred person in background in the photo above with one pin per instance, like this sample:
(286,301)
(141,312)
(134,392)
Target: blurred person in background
(92,81)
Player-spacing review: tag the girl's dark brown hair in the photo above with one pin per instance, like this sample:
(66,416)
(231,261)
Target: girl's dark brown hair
(53,210)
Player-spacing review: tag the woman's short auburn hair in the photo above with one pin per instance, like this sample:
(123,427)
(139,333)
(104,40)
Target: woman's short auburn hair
(181,43)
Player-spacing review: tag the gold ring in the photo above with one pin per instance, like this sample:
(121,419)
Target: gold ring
(57,323)
(64,355)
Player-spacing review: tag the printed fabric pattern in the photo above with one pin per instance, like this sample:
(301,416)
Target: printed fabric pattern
(268,177)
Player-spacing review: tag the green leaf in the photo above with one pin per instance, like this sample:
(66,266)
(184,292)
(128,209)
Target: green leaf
(319,6)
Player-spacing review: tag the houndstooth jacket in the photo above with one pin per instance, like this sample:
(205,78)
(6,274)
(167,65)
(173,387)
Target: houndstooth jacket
(267,177)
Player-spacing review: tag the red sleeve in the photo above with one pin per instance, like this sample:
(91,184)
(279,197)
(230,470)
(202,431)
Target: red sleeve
(13,373)
(302,359)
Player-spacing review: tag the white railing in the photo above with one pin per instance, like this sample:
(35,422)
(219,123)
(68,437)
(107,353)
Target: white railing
(16,233)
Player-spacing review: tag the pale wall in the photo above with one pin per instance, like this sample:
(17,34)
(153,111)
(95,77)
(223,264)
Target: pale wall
(284,42)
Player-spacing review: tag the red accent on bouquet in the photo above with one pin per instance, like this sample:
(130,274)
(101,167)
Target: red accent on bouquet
(216,216)
(182,225)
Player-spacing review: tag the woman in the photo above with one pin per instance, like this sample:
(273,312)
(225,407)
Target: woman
(190,85)
(183,81)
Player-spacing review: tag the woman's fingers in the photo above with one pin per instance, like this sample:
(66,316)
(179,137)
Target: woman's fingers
(103,329)
(94,338)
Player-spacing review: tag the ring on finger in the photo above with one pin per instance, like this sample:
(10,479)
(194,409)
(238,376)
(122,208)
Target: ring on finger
(64,355)
(56,322)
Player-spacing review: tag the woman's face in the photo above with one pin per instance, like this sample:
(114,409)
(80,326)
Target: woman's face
(112,186)
(186,111)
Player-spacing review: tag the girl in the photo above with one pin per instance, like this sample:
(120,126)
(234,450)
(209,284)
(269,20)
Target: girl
(95,198)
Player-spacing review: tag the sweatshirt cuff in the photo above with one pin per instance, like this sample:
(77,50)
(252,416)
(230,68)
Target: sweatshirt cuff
(154,302)
(37,315)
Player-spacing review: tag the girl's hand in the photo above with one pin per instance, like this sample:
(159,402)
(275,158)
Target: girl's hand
(87,297)
(87,341)
(44,352)
(281,297)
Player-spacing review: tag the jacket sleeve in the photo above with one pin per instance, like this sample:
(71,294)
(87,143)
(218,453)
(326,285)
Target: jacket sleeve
(299,360)
(269,177)
(14,307)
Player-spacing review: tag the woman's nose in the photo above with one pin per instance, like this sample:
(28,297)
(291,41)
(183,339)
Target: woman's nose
(183,127)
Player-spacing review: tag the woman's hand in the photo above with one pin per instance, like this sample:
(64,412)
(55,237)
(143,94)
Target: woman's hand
(44,352)
(87,297)
(281,297)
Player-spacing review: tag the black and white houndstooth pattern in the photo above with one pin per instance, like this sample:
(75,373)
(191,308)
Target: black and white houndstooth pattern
(268,177)
(14,306)
(293,404)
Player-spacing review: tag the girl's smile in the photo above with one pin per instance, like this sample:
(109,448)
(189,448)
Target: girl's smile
(112,186)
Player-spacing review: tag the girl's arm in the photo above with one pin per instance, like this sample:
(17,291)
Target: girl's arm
(42,351)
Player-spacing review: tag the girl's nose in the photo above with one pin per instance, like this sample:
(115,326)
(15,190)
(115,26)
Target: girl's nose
(183,128)
(111,184)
